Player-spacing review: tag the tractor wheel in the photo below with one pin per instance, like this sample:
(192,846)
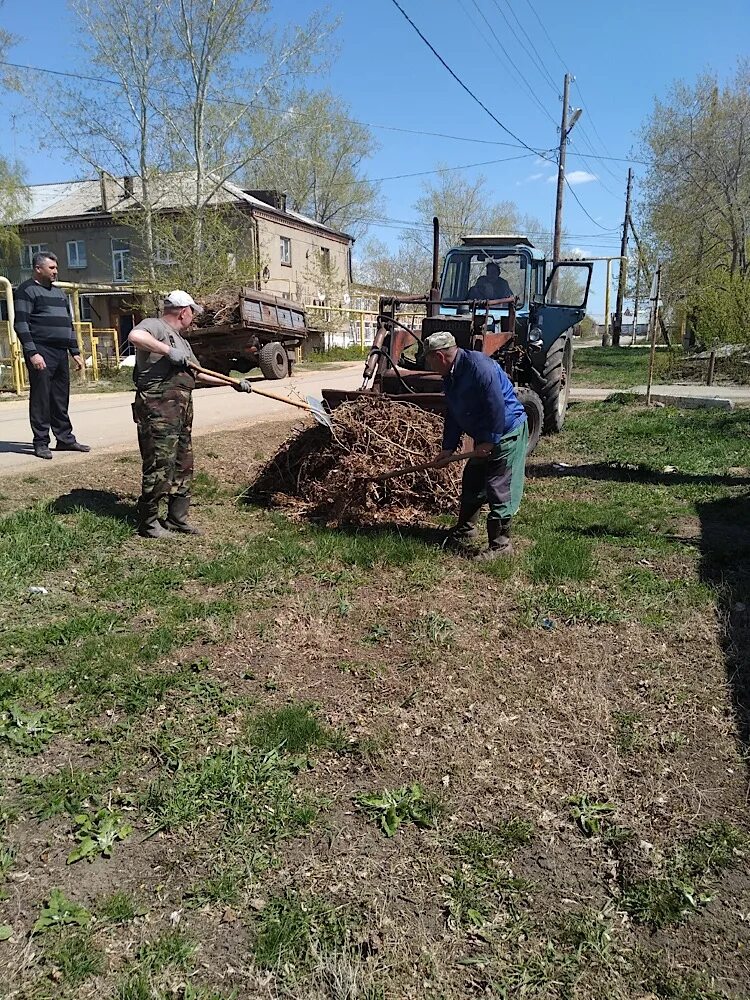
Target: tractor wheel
(534,414)
(557,368)
(273,361)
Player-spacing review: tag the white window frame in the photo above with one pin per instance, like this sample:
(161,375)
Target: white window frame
(162,252)
(285,246)
(120,262)
(27,254)
(84,305)
(76,259)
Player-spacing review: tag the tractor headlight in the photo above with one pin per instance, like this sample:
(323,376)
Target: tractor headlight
(535,337)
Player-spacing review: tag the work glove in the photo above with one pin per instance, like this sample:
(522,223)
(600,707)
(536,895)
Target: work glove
(179,358)
(243,386)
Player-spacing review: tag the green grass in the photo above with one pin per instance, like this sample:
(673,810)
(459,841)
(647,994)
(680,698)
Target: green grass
(171,950)
(36,541)
(295,930)
(74,955)
(695,442)
(556,558)
(240,794)
(63,791)
(683,881)
(119,908)
(354,353)
(616,367)
(292,729)
(481,883)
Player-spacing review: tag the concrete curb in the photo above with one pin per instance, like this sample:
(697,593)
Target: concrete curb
(682,402)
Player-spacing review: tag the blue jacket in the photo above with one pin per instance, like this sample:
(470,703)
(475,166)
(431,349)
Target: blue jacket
(481,401)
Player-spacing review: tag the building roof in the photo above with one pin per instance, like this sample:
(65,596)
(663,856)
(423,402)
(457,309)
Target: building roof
(81,199)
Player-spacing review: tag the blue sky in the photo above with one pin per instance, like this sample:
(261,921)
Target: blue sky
(622,55)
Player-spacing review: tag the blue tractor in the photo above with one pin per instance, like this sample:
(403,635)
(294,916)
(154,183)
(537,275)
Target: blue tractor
(496,295)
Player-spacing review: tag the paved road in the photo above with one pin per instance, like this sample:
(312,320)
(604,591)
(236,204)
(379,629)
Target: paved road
(104,420)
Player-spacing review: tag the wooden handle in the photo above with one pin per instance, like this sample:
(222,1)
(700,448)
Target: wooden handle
(261,392)
(462,457)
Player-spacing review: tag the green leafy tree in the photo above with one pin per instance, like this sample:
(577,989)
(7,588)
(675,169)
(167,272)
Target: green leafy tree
(696,204)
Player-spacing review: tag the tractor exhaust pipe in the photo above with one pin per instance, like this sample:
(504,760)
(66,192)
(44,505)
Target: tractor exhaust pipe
(432,309)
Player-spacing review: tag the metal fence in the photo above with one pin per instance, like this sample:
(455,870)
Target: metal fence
(341,327)
(99,348)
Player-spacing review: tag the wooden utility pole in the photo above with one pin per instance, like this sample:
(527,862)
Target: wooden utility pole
(623,279)
(653,322)
(561,171)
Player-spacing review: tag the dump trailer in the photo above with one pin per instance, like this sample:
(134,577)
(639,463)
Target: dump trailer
(496,295)
(257,330)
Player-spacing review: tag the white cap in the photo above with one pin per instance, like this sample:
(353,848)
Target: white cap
(179,299)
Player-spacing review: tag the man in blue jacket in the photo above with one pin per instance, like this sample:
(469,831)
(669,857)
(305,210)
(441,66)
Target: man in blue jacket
(481,403)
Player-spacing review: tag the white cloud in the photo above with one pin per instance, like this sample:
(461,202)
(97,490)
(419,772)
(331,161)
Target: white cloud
(552,178)
(580,177)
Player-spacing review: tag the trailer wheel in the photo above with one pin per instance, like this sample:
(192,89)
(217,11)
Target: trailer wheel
(273,361)
(532,404)
(557,368)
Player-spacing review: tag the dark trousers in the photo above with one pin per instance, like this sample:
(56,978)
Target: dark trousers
(49,395)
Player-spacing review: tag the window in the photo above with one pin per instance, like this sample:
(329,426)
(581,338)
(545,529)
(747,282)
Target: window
(325,259)
(120,260)
(76,253)
(478,275)
(27,253)
(84,304)
(162,251)
(286,251)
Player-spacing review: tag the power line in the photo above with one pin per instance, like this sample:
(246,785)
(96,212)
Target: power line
(460,82)
(588,216)
(352,121)
(507,55)
(533,53)
(547,35)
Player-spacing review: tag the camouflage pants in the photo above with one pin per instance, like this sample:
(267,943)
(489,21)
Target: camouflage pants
(165,422)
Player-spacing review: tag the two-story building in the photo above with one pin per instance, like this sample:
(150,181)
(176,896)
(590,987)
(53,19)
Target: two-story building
(85,224)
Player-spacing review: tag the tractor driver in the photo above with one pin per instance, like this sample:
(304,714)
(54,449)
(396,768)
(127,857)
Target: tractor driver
(490,285)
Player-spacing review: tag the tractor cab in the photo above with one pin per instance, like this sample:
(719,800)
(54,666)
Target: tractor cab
(496,295)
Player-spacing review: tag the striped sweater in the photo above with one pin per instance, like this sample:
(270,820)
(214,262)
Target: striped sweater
(43,318)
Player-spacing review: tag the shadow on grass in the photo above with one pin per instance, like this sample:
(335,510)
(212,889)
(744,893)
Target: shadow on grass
(616,472)
(426,533)
(725,563)
(97,501)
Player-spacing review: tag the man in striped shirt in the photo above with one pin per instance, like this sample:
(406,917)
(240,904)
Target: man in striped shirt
(45,330)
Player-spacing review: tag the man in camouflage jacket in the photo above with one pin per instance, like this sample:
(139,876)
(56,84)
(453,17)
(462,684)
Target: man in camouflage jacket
(163,412)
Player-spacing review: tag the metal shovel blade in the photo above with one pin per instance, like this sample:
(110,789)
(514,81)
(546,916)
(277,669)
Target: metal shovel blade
(318,411)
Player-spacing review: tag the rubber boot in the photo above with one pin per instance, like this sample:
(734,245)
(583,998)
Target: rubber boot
(176,519)
(149,525)
(498,535)
(464,532)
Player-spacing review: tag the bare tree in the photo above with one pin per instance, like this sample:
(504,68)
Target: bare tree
(228,59)
(320,165)
(112,122)
(13,191)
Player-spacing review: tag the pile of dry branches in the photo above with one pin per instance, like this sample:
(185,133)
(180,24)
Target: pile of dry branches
(324,474)
(220,309)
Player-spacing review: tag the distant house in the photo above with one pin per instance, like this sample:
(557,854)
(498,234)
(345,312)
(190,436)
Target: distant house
(84,224)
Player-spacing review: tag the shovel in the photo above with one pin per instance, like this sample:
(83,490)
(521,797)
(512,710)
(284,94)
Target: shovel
(312,405)
(462,457)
